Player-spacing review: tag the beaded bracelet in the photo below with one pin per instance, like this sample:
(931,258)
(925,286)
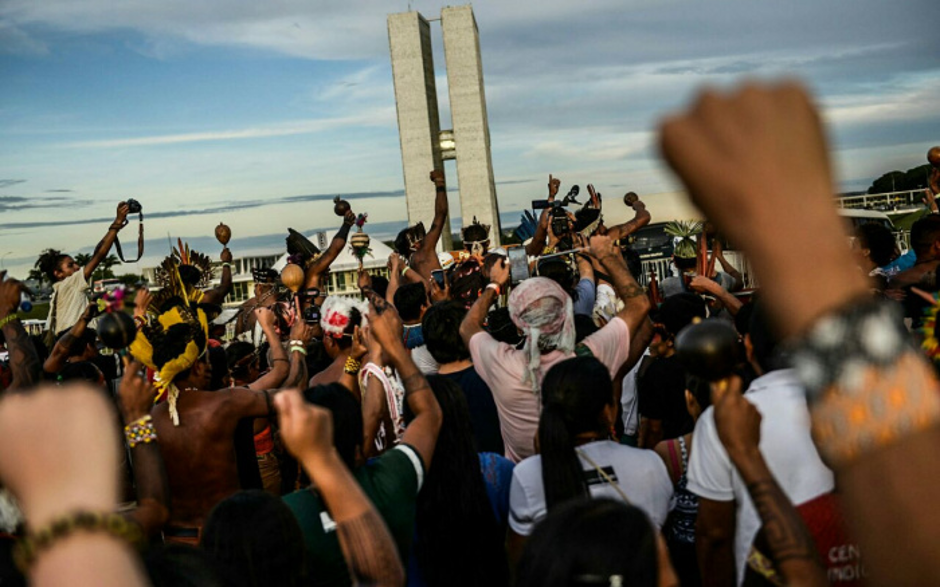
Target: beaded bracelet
(28,548)
(866,385)
(351,367)
(297,343)
(8,319)
(140,431)
(298,349)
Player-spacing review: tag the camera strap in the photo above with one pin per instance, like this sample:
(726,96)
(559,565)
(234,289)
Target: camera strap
(140,242)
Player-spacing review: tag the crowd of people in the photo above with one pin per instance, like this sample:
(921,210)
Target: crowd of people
(457,424)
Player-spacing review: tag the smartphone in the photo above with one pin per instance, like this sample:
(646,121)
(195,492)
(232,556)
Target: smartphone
(438,276)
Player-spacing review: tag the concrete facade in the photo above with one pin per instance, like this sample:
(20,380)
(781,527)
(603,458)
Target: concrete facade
(469,119)
(416,105)
(420,135)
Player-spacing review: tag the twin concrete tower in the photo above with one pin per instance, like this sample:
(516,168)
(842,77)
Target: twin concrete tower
(424,145)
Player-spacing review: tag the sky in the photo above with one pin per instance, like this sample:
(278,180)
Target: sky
(259,113)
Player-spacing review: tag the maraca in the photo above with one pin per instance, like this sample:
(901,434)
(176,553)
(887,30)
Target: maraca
(116,330)
(223,234)
(292,276)
(340,207)
(709,349)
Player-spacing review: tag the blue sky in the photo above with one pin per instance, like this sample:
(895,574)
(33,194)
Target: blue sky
(247,112)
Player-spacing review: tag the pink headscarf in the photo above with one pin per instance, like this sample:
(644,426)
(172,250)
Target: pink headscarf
(543,310)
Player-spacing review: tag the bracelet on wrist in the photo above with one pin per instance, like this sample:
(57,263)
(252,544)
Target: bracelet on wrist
(140,431)
(352,366)
(297,342)
(866,385)
(226,264)
(8,319)
(298,349)
(495,287)
(28,548)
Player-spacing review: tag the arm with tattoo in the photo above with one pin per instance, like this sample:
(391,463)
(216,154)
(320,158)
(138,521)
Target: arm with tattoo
(65,346)
(636,303)
(24,361)
(330,254)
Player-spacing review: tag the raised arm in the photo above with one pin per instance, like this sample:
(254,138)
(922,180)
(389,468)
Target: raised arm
(636,303)
(441,212)
(641,218)
(280,364)
(386,327)
(538,242)
(705,285)
(724,148)
(474,319)
(333,250)
(24,361)
(307,432)
(736,275)
(217,294)
(63,347)
(105,244)
(136,398)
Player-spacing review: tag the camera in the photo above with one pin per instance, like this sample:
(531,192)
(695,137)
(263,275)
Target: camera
(133,206)
(560,222)
(568,199)
(312,314)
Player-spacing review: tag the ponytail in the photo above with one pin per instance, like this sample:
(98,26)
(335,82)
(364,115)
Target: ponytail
(562,475)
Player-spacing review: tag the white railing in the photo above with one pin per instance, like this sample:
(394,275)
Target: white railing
(662,268)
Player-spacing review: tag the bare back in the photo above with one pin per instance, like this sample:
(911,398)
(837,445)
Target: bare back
(199,454)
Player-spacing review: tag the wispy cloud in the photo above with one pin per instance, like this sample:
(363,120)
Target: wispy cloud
(5,183)
(281,129)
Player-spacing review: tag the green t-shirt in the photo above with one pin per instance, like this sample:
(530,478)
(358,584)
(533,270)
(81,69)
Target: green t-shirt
(391,482)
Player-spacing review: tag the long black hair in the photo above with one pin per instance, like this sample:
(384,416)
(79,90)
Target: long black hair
(589,542)
(256,540)
(574,393)
(459,541)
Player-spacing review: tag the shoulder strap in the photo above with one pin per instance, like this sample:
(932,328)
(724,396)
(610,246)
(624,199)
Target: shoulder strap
(675,465)
(604,475)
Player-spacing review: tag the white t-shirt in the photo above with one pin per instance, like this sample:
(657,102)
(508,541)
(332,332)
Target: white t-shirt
(640,473)
(629,412)
(786,446)
(424,361)
(68,300)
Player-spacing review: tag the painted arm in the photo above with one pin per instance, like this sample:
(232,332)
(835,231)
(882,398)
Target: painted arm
(636,303)
(367,545)
(63,347)
(441,213)
(24,362)
(104,245)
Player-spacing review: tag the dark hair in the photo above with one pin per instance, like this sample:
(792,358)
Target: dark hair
(237,361)
(346,341)
(743,317)
(409,299)
(924,233)
(634,265)
(401,244)
(587,542)
(380,285)
(500,326)
(81,371)
(220,370)
(679,310)
(574,393)
(560,272)
(179,565)
(764,340)
(584,326)
(454,485)
(684,263)
(255,538)
(347,418)
(879,240)
(48,262)
(441,329)
(700,389)
(474,232)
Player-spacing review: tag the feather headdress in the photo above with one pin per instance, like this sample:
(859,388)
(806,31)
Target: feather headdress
(684,237)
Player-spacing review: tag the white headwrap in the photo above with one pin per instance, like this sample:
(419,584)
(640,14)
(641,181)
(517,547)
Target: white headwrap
(543,311)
